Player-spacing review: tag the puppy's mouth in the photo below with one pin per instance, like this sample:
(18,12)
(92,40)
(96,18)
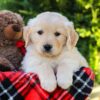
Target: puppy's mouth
(48,54)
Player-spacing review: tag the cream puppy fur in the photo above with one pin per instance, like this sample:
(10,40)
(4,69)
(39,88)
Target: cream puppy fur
(51,53)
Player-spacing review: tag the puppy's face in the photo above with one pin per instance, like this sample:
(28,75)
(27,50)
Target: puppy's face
(48,36)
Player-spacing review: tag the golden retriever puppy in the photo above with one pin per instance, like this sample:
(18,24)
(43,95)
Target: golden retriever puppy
(51,53)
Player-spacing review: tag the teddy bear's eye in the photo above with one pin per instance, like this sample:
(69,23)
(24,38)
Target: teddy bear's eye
(40,32)
(57,34)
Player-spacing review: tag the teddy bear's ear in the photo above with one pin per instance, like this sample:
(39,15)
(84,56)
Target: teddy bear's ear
(19,18)
(26,35)
(72,36)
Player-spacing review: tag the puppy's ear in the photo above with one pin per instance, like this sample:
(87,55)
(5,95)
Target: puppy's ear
(26,35)
(28,30)
(72,36)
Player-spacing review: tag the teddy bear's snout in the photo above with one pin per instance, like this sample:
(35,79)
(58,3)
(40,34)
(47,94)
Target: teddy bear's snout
(13,32)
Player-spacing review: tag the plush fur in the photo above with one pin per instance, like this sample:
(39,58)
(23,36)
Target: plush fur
(11,26)
(57,66)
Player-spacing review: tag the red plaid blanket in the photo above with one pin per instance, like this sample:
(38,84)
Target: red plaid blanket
(26,86)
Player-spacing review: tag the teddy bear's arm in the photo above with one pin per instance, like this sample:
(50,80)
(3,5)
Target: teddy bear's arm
(5,64)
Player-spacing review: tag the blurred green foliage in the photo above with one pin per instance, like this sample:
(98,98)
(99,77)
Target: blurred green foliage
(84,13)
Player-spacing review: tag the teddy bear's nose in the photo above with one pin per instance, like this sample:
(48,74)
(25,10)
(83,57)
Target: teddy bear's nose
(16,28)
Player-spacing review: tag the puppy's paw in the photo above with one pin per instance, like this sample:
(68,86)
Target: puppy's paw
(64,81)
(49,84)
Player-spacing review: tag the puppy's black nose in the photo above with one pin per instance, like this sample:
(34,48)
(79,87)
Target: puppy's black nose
(47,47)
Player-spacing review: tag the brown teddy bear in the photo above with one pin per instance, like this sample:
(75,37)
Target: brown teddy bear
(11,27)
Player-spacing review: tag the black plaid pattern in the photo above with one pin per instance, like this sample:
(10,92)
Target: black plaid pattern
(8,91)
(82,84)
(12,89)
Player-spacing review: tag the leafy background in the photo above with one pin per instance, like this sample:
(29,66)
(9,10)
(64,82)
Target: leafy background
(84,13)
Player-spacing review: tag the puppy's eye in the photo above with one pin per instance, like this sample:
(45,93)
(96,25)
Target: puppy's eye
(57,34)
(40,32)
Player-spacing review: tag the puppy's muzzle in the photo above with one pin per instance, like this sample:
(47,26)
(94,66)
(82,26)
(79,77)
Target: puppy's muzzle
(47,48)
